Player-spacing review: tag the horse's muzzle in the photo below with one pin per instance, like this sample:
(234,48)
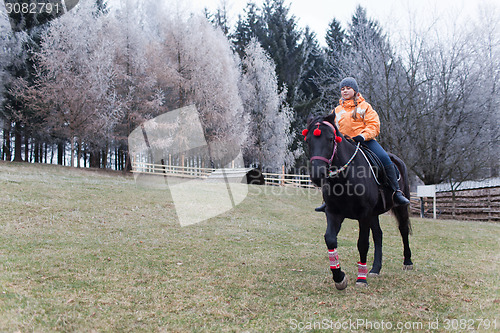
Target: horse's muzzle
(319,171)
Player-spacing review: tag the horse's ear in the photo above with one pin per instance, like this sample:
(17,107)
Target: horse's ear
(309,120)
(330,118)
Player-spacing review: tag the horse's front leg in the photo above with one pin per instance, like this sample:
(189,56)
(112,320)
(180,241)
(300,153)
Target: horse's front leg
(377,241)
(334,222)
(363,245)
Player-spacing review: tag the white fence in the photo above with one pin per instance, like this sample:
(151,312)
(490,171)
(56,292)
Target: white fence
(275,179)
(170,170)
(283,179)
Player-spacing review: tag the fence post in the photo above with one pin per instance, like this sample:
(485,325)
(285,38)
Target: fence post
(434,207)
(428,191)
(489,204)
(422,207)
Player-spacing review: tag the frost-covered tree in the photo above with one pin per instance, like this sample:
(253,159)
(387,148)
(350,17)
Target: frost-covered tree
(270,116)
(75,79)
(487,55)
(134,30)
(195,65)
(452,123)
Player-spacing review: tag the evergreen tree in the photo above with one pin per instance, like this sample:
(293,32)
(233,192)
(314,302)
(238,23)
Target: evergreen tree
(336,45)
(18,113)
(335,38)
(248,27)
(220,18)
(12,64)
(283,41)
(362,29)
(309,94)
(331,75)
(101,7)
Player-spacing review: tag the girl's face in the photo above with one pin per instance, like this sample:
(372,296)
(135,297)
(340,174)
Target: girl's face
(347,93)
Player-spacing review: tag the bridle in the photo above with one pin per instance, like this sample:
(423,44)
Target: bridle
(321,158)
(317,132)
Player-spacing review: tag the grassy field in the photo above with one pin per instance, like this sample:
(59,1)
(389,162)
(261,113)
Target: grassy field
(94,251)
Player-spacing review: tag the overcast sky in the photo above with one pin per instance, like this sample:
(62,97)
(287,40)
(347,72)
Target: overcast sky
(391,14)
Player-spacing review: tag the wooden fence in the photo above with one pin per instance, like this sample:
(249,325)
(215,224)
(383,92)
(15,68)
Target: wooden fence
(480,204)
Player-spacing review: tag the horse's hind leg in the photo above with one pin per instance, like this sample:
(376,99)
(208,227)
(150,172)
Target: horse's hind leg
(402,215)
(334,223)
(377,241)
(363,245)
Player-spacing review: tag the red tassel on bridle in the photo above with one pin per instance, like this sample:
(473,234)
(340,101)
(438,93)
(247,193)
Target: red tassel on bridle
(317,132)
(304,133)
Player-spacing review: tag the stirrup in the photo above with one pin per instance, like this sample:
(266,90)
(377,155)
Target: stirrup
(399,199)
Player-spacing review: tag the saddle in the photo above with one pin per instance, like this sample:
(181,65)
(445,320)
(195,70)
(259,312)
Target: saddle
(378,170)
(376,165)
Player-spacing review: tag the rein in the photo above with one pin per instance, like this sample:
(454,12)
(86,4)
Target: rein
(332,173)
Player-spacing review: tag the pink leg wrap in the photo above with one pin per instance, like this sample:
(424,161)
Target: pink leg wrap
(362,271)
(334,259)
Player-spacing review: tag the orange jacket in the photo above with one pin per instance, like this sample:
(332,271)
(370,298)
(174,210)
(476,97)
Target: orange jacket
(367,122)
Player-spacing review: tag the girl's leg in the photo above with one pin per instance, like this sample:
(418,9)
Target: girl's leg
(399,198)
(380,152)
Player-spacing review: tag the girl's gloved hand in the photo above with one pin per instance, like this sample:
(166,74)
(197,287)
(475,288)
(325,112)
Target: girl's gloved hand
(358,138)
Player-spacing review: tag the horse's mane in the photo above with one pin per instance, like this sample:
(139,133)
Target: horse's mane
(317,118)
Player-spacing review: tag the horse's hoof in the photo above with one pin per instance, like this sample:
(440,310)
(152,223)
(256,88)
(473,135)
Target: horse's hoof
(407,267)
(342,284)
(373,274)
(361,283)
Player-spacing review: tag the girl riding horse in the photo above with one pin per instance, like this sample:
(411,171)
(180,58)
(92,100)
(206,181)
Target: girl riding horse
(356,119)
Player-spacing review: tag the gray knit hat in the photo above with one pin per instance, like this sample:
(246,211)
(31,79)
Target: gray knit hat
(349,82)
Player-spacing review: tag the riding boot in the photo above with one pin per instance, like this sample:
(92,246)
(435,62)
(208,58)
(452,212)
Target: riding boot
(398,197)
(321,208)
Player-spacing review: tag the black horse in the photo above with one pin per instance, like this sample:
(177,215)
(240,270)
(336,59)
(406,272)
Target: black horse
(351,191)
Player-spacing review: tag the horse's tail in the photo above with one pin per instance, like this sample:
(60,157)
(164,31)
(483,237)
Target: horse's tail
(402,213)
(403,216)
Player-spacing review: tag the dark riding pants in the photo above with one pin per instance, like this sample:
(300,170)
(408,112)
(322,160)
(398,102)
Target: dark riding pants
(379,151)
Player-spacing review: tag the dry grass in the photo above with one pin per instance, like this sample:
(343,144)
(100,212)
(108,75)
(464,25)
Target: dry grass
(83,250)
